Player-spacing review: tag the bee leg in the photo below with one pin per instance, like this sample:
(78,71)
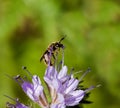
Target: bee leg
(53,55)
(52,61)
(43,56)
(51,64)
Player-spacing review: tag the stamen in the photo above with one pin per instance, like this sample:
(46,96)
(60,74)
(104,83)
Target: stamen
(59,66)
(9,76)
(92,87)
(62,57)
(88,70)
(17,78)
(99,85)
(71,72)
(26,70)
(10,98)
(49,57)
(77,72)
(56,61)
(9,105)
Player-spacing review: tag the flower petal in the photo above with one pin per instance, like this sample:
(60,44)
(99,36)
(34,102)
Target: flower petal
(51,72)
(20,105)
(72,85)
(63,72)
(28,89)
(35,91)
(74,97)
(58,101)
(54,85)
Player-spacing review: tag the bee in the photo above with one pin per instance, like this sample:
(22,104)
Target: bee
(53,48)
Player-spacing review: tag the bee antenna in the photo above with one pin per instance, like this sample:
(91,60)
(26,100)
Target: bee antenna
(62,38)
(26,70)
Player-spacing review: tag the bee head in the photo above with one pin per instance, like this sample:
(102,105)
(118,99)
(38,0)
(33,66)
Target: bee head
(59,45)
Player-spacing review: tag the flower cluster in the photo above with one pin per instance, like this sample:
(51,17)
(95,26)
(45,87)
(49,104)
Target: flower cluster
(63,88)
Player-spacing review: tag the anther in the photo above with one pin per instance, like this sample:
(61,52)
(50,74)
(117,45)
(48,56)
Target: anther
(24,67)
(26,70)
(18,79)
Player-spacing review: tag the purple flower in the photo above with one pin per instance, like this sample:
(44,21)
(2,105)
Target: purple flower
(64,84)
(63,88)
(34,90)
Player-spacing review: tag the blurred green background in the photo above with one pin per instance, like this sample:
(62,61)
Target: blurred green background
(92,27)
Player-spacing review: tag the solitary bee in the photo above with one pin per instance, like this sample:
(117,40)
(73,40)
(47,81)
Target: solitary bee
(51,50)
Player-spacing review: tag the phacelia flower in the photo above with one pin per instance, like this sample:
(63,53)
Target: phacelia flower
(63,88)
(34,90)
(64,84)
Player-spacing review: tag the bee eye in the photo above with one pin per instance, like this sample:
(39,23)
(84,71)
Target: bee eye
(56,45)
